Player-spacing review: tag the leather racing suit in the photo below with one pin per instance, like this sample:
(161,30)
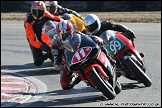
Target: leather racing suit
(33,29)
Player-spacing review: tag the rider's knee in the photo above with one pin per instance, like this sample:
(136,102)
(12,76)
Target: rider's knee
(38,63)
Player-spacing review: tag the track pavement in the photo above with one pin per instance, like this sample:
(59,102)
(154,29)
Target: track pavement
(17,63)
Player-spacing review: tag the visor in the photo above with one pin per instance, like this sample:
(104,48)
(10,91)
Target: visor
(63,36)
(51,8)
(37,13)
(92,27)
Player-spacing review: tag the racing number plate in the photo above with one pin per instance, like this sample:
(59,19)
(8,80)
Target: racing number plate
(115,46)
(81,54)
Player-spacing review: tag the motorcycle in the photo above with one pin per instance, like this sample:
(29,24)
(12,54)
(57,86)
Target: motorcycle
(91,64)
(128,61)
(50,38)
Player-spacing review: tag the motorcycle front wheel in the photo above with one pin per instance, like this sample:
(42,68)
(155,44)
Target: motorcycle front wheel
(138,72)
(103,85)
(118,87)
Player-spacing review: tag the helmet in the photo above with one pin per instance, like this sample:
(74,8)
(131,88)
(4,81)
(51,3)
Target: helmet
(49,28)
(38,9)
(64,29)
(66,16)
(51,6)
(92,24)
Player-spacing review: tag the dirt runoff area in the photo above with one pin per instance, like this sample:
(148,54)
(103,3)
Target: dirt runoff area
(131,17)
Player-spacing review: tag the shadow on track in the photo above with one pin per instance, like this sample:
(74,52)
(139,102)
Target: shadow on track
(70,97)
(128,86)
(30,69)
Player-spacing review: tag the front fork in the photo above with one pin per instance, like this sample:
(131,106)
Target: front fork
(99,69)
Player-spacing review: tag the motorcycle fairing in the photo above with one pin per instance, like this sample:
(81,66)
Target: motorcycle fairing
(103,59)
(81,55)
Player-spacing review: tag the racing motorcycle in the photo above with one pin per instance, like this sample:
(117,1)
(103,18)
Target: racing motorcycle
(50,36)
(86,59)
(128,61)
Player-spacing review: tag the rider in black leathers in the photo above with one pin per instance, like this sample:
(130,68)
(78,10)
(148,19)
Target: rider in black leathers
(33,28)
(94,26)
(54,8)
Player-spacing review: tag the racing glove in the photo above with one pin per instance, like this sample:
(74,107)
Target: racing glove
(82,18)
(131,35)
(45,47)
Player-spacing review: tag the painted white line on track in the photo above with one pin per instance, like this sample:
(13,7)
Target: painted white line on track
(41,88)
(9,88)
(11,82)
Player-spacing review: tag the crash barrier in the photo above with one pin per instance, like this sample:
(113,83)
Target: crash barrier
(88,6)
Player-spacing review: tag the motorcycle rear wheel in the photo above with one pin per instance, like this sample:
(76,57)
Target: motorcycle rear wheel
(103,85)
(138,72)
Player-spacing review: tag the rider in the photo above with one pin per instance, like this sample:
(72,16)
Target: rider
(95,27)
(33,28)
(54,8)
(65,29)
(67,80)
(50,37)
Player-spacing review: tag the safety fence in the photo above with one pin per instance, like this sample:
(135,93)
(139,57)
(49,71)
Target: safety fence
(88,6)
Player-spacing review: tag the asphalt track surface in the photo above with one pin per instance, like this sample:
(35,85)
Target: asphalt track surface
(16,59)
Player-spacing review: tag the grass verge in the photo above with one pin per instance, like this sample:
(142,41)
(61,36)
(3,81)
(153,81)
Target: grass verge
(133,17)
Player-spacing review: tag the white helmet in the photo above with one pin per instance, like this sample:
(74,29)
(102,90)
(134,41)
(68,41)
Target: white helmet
(51,6)
(92,24)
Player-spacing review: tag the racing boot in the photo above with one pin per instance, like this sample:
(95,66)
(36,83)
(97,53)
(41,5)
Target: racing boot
(67,79)
(74,79)
(48,55)
(142,54)
(64,80)
(57,60)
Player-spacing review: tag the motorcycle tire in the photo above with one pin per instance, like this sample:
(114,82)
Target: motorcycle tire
(118,87)
(103,85)
(138,72)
